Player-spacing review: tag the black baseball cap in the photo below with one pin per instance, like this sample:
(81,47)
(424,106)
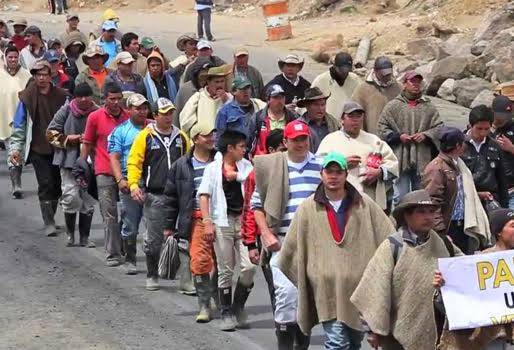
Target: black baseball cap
(499,218)
(384,65)
(343,59)
(450,137)
(502,107)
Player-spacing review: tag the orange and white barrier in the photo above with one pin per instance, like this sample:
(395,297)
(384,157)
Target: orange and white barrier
(276,14)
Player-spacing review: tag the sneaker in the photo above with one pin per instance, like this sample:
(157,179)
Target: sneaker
(242,319)
(228,323)
(85,242)
(152,283)
(50,230)
(130,268)
(204,315)
(113,262)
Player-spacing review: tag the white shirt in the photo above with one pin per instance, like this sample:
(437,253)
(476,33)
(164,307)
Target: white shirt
(476,144)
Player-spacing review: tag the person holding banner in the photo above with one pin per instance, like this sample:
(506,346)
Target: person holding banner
(492,337)
(394,296)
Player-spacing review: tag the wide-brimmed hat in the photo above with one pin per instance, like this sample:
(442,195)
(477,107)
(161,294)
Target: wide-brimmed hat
(41,64)
(220,71)
(94,50)
(291,59)
(311,94)
(124,57)
(419,198)
(19,22)
(183,39)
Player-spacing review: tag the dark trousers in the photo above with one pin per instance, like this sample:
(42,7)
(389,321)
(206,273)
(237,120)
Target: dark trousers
(51,6)
(204,20)
(459,238)
(266,270)
(48,176)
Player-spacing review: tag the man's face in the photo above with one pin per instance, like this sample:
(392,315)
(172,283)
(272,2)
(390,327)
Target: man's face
(155,68)
(57,47)
(145,52)
(85,102)
(31,39)
(96,63)
(343,71)
(241,61)
(243,96)
(215,84)
(506,236)
(500,122)
(109,35)
(413,85)
(384,78)
(164,120)
(139,113)
(480,130)
(205,52)
(421,219)
(133,47)
(333,177)
(291,70)
(43,78)
(352,123)
(112,102)
(73,23)
(55,68)
(12,59)
(277,102)
(190,48)
(124,68)
(18,29)
(238,151)
(298,147)
(205,142)
(74,50)
(316,109)
(3,29)
(280,148)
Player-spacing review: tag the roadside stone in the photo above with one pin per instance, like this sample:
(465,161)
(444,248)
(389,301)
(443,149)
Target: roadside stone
(446,90)
(496,22)
(455,67)
(324,49)
(443,30)
(478,66)
(457,45)
(503,67)
(485,97)
(454,114)
(479,48)
(427,48)
(466,90)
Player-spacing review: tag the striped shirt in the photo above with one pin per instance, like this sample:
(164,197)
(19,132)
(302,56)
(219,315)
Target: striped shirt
(304,178)
(198,169)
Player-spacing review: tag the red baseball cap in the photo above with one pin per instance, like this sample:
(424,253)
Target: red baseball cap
(296,128)
(411,75)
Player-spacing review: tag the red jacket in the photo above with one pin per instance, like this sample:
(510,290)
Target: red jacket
(263,128)
(18,41)
(249,229)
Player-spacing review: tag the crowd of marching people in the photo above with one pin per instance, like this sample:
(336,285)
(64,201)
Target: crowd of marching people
(345,191)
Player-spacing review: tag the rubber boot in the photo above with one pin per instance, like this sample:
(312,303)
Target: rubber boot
(203,291)
(215,299)
(241,294)
(85,229)
(285,336)
(55,204)
(69,220)
(152,276)
(47,212)
(15,173)
(186,285)
(301,341)
(228,323)
(130,246)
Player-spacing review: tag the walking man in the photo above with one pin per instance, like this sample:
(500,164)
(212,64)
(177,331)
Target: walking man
(120,142)
(99,126)
(153,152)
(336,223)
(35,48)
(37,106)
(245,71)
(95,74)
(183,218)
(204,9)
(65,133)
(221,203)
(124,74)
(108,42)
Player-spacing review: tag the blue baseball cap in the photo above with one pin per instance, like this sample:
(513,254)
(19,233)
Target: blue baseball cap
(109,25)
(51,56)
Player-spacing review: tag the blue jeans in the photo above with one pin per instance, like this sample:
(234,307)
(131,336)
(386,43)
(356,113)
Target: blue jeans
(341,337)
(409,180)
(131,215)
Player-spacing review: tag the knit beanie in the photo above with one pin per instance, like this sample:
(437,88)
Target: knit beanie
(83,90)
(499,218)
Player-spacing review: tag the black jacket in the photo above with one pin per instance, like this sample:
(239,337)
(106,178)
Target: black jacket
(290,90)
(508,158)
(179,197)
(487,169)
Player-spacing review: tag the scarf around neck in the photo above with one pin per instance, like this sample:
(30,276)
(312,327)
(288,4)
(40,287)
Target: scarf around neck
(78,112)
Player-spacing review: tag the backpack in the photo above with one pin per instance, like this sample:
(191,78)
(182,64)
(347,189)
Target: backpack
(396,242)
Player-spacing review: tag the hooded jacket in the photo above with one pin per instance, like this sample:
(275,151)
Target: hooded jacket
(170,80)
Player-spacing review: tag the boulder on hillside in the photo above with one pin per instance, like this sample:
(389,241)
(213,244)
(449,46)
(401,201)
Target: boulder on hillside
(324,49)
(499,43)
(495,23)
(425,69)
(457,45)
(478,66)
(446,90)
(465,90)
(451,113)
(486,97)
(478,48)
(427,48)
(503,66)
(454,67)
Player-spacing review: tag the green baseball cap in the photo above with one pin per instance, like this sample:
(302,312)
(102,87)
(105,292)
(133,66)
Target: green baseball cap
(335,157)
(147,43)
(240,83)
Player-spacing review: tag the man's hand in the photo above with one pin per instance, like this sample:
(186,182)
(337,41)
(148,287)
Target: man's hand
(73,139)
(371,175)
(167,233)
(255,257)
(222,95)
(505,144)
(404,138)
(138,195)
(373,340)
(209,232)
(270,241)
(123,186)
(419,137)
(291,107)
(485,196)
(438,280)
(15,158)
(353,161)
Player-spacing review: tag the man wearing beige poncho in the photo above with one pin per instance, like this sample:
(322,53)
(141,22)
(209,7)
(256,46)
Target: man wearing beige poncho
(395,295)
(335,224)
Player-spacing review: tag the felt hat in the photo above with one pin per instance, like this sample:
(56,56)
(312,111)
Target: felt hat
(311,94)
(419,198)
